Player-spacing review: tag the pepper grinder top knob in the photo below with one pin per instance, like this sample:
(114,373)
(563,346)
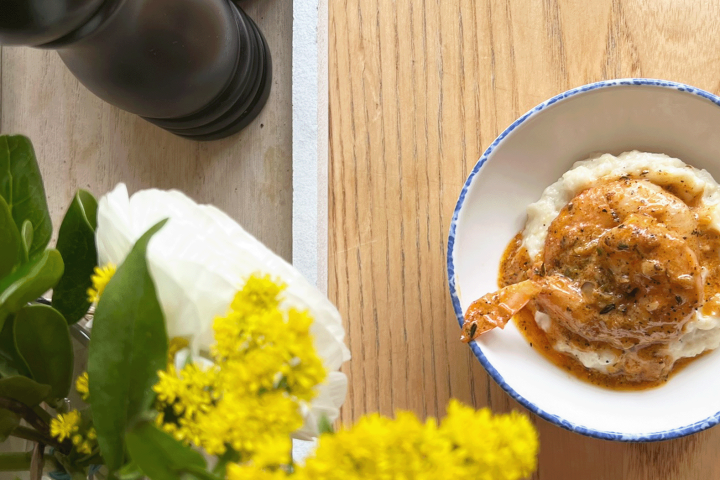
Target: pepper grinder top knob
(36,22)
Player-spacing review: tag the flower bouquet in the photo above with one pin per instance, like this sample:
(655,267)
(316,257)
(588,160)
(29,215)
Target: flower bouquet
(207,354)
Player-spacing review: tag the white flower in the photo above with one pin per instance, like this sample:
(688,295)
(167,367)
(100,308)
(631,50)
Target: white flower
(199,260)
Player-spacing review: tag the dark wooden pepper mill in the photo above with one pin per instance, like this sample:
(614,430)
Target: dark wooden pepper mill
(198,68)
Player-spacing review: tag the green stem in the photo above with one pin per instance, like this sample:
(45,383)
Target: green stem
(54,464)
(200,473)
(59,405)
(230,455)
(15,461)
(72,471)
(34,436)
(94,458)
(42,414)
(28,414)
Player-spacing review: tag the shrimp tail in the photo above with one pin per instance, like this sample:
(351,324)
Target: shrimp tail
(495,309)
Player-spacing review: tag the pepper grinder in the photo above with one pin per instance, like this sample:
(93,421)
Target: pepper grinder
(200,69)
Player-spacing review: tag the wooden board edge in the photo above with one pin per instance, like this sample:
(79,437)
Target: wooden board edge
(310,140)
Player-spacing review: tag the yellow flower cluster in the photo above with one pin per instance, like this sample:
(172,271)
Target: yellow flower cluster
(65,425)
(267,348)
(69,425)
(100,279)
(82,385)
(85,444)
(250,424)
(265,365)
(182,397)
(254,472)
(468,444)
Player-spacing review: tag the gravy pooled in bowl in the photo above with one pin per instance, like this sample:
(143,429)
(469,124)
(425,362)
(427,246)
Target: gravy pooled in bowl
(616,275)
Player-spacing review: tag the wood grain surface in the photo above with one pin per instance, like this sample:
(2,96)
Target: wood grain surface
(418,89)
(82,142)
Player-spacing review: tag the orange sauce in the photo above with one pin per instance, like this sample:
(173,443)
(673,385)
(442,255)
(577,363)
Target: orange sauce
(513,268)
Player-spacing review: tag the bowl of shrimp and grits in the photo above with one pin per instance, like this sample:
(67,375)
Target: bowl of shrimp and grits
(584,260)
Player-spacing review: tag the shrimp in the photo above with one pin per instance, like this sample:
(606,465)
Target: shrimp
(618,267)
(497,308)
(579,226)
(639,285)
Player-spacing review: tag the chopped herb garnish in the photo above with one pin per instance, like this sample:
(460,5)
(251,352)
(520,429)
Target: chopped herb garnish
(607,309)
(473,329)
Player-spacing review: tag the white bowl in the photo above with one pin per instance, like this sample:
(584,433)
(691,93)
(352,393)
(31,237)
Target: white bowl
(612,116)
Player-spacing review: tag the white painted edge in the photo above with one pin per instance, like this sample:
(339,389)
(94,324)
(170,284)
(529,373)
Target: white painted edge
(310,140)
(310,151)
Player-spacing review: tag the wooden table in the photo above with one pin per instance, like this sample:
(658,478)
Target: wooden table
(418,89)
(82,142)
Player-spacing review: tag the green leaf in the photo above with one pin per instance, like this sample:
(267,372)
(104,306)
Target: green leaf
(325,425)
(24,390)
(159,455)
(128,347)
(22,188)
(8,367)
(129,472)
(26,234)
(43,341)
(200,473)
(8,422)
(15,461)
(10,362)
(76,244)
(29,281)
(10,243)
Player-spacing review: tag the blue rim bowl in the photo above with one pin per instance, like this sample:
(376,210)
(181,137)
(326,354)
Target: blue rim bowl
(476,347)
